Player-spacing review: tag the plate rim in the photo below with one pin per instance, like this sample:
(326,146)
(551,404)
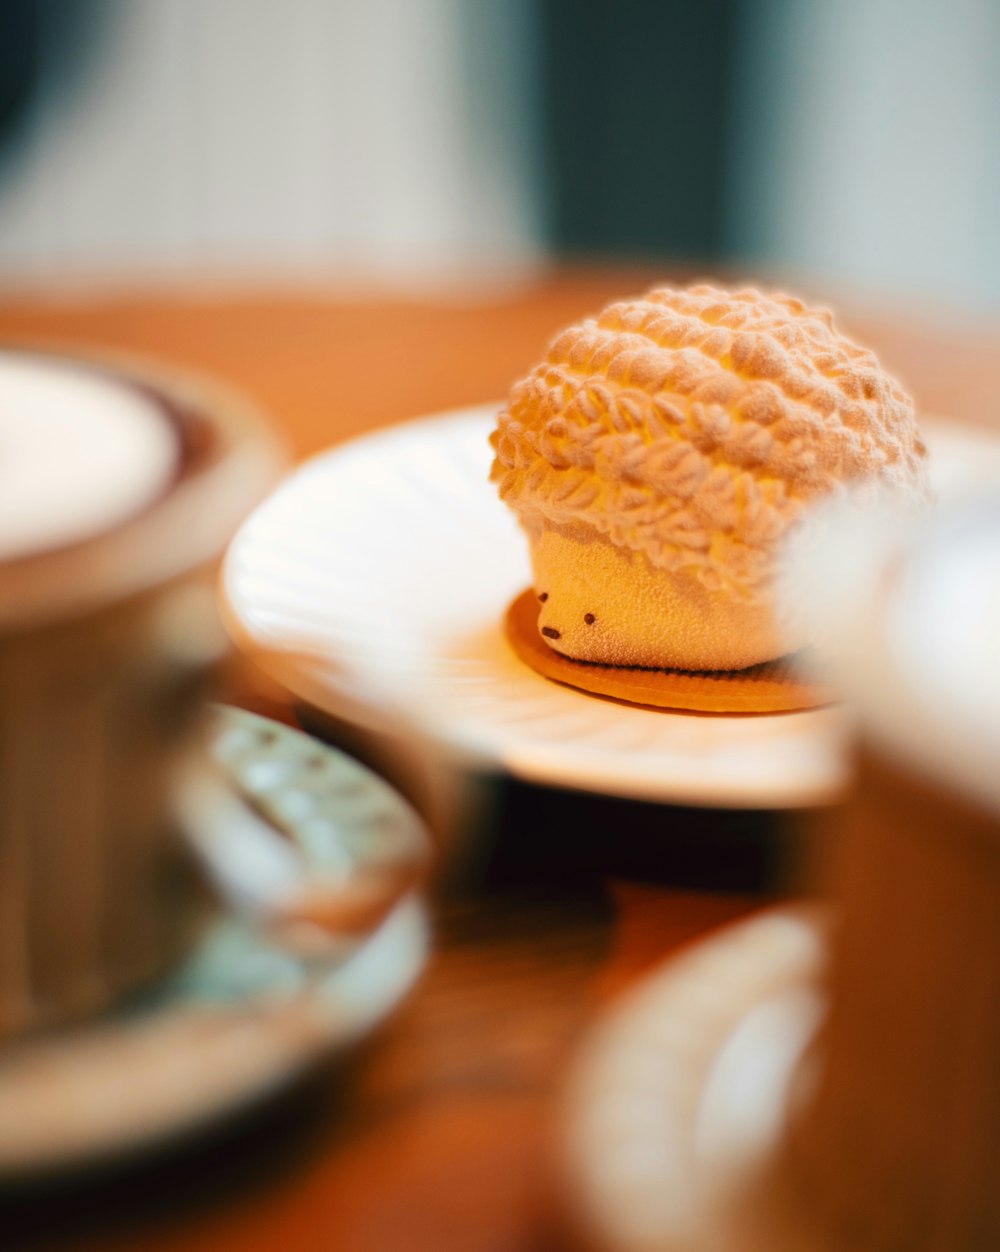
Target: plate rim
(339,999)
(680,1015)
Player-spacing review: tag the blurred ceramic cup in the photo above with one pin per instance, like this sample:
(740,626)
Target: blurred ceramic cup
(119,489)
(897,1134)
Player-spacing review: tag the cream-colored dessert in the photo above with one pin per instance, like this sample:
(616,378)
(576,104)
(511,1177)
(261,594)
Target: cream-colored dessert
(659,454)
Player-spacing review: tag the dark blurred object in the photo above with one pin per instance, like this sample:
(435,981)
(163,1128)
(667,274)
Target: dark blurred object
(20,57)
(635,103)
(551,835)
(46,46)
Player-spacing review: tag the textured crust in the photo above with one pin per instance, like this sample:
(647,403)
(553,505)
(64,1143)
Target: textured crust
(769,688)
(692,426)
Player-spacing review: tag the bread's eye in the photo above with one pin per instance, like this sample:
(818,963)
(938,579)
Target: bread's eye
(543,596)
(589,618)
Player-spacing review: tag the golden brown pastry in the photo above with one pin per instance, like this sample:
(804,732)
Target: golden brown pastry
(661,451)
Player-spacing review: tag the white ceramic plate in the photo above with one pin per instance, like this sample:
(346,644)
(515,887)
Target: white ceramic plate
(680,1095)
(373,584)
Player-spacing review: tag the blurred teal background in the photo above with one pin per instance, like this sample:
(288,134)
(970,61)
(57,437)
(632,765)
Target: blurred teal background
(843,143)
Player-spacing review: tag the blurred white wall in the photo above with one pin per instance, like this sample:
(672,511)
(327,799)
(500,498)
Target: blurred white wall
(311,136)
(867,145)
(399,139)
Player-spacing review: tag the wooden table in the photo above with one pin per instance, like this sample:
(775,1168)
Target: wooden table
(440,1134)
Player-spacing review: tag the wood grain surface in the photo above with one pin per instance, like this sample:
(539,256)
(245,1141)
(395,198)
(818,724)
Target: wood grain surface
(439,1134)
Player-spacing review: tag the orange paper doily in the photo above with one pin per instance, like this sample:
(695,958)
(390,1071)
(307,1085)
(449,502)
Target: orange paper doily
(773,687)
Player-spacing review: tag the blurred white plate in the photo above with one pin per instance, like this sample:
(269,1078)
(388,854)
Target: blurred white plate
(256,1002)
(373,585)
(680,1095)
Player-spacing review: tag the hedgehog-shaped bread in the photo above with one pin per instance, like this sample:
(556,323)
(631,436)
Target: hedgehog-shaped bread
(659,454)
